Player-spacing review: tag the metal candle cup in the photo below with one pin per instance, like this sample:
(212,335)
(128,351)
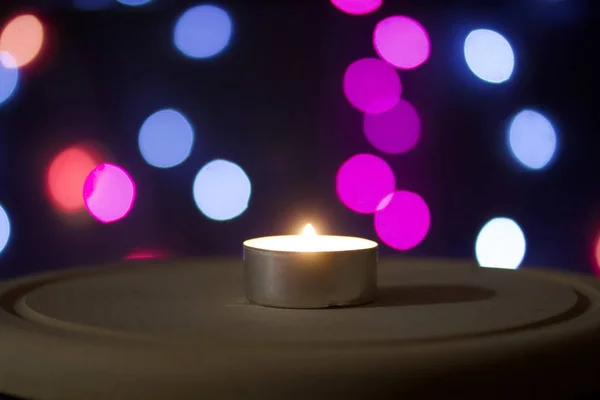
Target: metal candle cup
(310,271)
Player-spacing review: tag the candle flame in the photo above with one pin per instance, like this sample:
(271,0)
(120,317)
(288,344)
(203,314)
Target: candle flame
(309,231)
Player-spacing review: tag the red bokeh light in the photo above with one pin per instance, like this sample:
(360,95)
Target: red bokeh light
(22,38)
(66,175)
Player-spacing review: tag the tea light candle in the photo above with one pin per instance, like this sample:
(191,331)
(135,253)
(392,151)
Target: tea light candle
(310,270)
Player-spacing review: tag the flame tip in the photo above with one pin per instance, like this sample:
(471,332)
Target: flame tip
(309,230)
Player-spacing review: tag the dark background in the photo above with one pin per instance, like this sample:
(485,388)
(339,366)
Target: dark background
(273,103)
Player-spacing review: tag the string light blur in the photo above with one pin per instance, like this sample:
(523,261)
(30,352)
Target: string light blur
(22,37)
(66,177)
(166,139)
(500,244)
(9,76)
(203,31)
(363,181)
(489,55)
(532,139)
(134,3)
(394,131)
(402,220)
(109,193)
(372,86)
(4,229)
(401,41)
(221,190)
(357,7)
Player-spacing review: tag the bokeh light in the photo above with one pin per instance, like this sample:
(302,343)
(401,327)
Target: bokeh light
(134,2)
(166,139)
(4,229)
(597,256)
(66,176)
(372,86)
(532,139)
(9,76)
(357,7)
(402,220)
(22,37)
(489,55)
(402,42)
(203,31)
(363,181)
(145,254)
(500,244)
(394,131)
(221,190)
(109,193)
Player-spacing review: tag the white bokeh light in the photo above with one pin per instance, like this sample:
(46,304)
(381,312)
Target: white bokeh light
(489,55)
(532,139)
(221,190)
(4,229)
(500,244)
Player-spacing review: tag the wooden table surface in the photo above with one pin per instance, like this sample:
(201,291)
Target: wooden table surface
(182,329)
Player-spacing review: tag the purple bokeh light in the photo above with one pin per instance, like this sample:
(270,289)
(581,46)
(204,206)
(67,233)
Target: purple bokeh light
(401,41)
(403,220)
(363,181)
(108,193)
(357,7)
(394,131)
(372,86)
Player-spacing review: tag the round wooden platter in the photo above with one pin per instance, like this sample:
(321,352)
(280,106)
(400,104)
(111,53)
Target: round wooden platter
(182,329)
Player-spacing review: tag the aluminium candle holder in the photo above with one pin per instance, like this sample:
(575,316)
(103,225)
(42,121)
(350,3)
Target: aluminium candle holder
(334,271)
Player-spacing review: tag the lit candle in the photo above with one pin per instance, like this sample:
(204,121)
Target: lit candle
(310,270)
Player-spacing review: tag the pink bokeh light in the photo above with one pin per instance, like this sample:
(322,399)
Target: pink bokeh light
(357,7)
(394,131)
(372,86)
(108,193)
(363,181)
(145,254)
(403,222)
(402,42)
(596,256)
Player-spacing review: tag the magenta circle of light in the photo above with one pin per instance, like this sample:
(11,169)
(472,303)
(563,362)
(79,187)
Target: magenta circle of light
(108,193)
(402,42)
(403,220)
(394,131)
(363,181)
(356,7)
(372,86)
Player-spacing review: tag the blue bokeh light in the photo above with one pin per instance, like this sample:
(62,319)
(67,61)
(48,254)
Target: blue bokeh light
(221,190)
(134,2)
(9,76)
(532,139)
(4,229)
(166,139)
(92,5)
(202,31)
(489,55)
